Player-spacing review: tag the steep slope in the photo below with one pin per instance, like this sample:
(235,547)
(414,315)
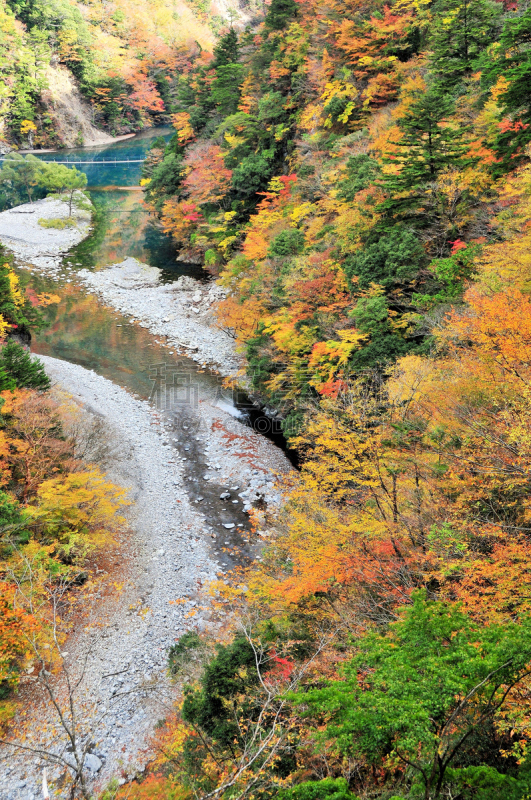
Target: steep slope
(337,165)
(71,115)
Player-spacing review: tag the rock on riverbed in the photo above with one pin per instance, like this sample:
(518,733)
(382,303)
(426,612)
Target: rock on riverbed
(180,311)
(34,244)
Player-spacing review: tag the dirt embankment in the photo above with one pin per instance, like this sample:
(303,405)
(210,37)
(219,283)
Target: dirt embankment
(71,114)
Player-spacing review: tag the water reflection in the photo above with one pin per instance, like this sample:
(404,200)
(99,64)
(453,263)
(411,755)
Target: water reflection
(79,329)
(123,227)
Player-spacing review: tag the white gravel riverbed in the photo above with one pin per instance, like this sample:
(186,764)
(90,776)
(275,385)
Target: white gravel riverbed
(191,490)
(169,553)
(40,247)
(182,311)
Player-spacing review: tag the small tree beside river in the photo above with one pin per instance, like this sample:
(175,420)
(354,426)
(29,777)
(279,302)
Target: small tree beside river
(21,179)
(27,178)
(60,180)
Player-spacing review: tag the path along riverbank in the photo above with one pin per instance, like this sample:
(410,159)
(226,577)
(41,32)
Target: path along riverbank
(177,542)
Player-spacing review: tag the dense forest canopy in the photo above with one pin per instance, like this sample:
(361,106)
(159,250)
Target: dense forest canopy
(340,167)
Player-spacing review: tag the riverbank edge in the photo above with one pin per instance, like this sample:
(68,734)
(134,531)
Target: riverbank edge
(183,314)
(42,248)
(7,147)
(166,556)
(212,346)
(112,140)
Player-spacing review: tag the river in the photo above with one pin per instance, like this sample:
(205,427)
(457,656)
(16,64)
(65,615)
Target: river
(81,330)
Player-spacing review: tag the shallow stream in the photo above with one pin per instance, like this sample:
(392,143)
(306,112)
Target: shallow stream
(81,330)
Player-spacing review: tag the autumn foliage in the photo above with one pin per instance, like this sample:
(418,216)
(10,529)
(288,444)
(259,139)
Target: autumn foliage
(55,509)
(357,174)
(411,507)
(127,63)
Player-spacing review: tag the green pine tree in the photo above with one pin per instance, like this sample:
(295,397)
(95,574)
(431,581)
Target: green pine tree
(460,31)
(226,51)
(23,177)
(420,693)
(64,180)
(18,366)
(430,144)
(7,383)
(511,59)
(280,13)
(326,789)
(225,92)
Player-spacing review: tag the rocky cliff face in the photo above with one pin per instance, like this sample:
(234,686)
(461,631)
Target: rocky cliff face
(71,114)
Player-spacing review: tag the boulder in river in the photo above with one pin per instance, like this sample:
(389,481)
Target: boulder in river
(92,762)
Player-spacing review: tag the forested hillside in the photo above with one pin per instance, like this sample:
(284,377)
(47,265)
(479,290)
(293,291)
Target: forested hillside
(123,57)
(357,175)
(340,167)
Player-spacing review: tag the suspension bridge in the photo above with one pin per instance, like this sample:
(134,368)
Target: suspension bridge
(104,161)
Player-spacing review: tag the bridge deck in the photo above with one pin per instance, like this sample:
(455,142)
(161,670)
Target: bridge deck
(107,161)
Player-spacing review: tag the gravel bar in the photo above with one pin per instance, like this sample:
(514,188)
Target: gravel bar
(171,551)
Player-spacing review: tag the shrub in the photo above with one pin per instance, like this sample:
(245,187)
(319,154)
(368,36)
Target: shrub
(288,243)
(59,224)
